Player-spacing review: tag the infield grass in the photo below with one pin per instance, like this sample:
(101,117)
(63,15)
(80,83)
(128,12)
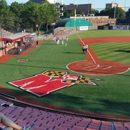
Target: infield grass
(111,96)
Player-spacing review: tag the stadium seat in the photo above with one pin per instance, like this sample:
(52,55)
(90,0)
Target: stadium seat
(46,120)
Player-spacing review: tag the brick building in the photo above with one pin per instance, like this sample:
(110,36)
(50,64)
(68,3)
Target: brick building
(112,5)
(85,8)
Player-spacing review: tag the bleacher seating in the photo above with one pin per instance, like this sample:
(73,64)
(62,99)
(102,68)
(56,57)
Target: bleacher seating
(46,120)
(5,33)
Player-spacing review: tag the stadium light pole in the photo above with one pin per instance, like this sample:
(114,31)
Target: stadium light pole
(88,7)
(115,4)
(125,5)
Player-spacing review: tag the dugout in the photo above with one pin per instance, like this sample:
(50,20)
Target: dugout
(17,43)
(73,22)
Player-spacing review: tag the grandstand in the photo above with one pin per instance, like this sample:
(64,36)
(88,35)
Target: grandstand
(27,114)
(5,33)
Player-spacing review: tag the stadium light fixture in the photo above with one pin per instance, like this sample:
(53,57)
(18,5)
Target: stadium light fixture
(88,7)
(125,5)
(115,5)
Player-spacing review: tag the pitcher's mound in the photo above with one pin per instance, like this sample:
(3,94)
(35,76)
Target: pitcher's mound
(101,68)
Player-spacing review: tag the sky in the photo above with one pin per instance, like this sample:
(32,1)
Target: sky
(98,4)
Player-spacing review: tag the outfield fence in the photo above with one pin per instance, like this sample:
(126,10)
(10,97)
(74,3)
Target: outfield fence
(74,28)
(116,27)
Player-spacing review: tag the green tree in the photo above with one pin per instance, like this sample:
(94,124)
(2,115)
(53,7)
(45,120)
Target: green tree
(128,14)
(8,20)
(6,16)
(120,13)
(38,14)
(29,15)
(3,7)
(51,13)
(113,12)
(17,9)
(68,12)
(95,12)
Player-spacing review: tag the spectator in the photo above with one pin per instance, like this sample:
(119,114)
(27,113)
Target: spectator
(37,44)
(10,125)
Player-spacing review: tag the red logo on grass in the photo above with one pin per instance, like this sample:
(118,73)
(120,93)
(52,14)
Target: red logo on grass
(49,81)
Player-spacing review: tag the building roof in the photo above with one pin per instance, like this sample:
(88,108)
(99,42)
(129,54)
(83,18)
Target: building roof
(62,22)
(72,22)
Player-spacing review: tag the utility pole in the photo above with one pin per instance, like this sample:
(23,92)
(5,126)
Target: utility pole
(88,7)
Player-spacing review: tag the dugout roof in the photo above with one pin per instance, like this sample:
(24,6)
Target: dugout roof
(15,37)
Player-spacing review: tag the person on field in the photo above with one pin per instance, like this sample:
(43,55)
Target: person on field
(10,125)
(85,48)
(54,38)
(66,41)
(62,41)
(57,40)
(66,38)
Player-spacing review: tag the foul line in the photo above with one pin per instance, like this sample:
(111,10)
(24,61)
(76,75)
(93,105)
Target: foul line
(88,50)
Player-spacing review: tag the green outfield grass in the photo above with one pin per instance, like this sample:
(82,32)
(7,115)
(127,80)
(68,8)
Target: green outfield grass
(111,96)
(119,52)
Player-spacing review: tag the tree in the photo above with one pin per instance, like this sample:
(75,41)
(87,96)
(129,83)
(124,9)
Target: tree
(38,14)
(3,7)
(119,12)
(17,9)
(79,11)
(95,12)
(128,14)
(8,20)
(6,16)
(30,15)
(51,13)
(68,12)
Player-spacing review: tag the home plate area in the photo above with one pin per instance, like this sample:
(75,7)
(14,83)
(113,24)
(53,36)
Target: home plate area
(49,81)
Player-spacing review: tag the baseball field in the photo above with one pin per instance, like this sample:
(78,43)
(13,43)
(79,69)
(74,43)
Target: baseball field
(63,77)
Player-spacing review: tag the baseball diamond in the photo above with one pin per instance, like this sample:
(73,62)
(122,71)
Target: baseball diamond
(97,81)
